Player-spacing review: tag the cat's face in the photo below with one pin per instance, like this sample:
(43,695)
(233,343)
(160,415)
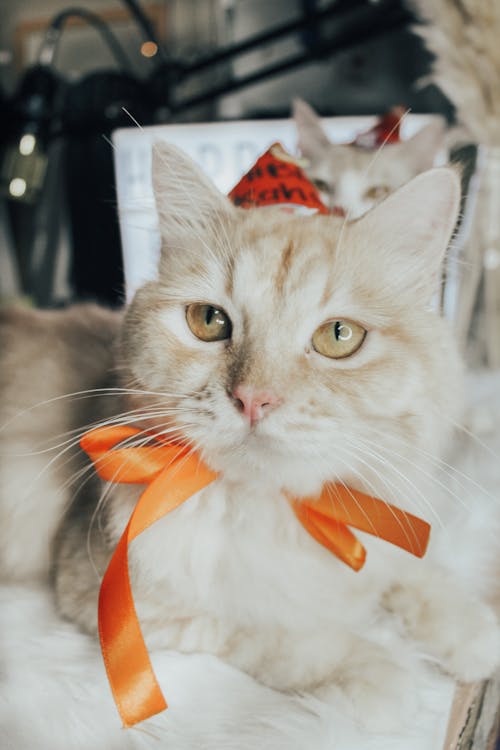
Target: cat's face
(355,178)
(293,347)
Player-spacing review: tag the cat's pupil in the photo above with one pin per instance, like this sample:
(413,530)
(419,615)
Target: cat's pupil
(215,317)
(209,315)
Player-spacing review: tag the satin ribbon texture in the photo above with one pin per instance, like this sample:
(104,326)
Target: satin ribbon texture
(173,474)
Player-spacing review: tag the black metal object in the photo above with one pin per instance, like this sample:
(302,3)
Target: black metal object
(306,21)
(357,21)
(325,32)
(54,32)
(95,107)
(340,26)
(36,105)
(96,271)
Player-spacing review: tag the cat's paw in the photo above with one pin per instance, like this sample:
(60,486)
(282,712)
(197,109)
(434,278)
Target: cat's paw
(381,691)
(463,635)
(471,650)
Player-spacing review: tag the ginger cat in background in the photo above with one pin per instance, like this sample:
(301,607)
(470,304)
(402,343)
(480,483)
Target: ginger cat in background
(349,176)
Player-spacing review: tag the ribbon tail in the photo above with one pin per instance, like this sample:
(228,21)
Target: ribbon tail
(135,688)
(332,534)
(373,516)
(131,677)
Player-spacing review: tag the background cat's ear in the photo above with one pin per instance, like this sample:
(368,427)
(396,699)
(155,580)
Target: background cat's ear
(409,232)
(312,139)
(424,145)
(186,200)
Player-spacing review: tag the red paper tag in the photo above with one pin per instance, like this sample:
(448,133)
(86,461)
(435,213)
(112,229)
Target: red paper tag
(277,178)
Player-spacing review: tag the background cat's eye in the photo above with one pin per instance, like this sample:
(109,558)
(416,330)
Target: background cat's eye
(323,186)
(338,338)
(377,192)
(207,322)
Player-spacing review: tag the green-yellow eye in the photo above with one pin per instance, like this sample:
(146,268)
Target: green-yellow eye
(338,338)
(323,186)
(207,322)
(377,192)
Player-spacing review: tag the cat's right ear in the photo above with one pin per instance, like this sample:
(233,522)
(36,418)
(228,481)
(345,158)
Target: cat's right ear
(408,233)
(312,139)
(186,200)
(423,147)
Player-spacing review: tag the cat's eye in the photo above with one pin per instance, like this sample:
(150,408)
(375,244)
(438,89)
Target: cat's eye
(207,322)
(377,192)
(338,338)
(323,186)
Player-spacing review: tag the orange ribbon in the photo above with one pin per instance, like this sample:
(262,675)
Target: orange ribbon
(173,474)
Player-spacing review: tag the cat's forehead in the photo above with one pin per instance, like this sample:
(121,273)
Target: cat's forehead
(390,164)
(280,257)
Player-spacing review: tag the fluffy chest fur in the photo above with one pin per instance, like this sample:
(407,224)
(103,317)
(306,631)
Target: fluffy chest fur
(233,573)
(239,553)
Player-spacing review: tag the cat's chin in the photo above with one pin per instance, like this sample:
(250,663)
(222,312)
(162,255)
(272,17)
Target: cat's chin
(275,468)
(266,455)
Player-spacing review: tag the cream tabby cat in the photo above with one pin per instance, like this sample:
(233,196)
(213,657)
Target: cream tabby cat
(355,178)
(229,349)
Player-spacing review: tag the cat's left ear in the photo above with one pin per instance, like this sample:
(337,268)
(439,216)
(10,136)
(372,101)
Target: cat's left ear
(312,139)
(409,232)
(188,203)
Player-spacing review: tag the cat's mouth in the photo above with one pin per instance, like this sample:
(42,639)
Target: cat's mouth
(258,445)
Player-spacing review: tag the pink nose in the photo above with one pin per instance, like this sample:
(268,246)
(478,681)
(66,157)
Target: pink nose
(254,403)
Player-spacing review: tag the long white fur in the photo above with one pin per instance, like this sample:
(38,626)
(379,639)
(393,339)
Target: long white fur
(54,696)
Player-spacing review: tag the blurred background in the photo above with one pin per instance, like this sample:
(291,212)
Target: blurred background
(70,75)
